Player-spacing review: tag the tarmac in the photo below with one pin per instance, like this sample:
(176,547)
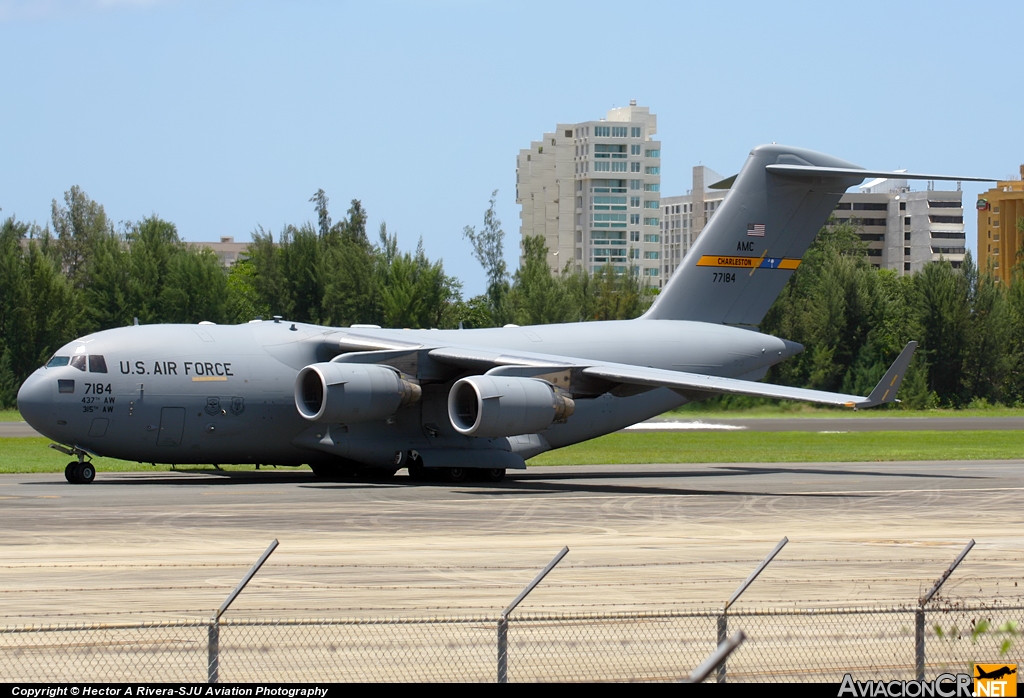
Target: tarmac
(148,546)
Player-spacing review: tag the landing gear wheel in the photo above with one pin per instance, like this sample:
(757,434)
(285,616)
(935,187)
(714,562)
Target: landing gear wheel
(494,475)
(456,474)
(69,471)
(417,472)
(84,473)
(322,472)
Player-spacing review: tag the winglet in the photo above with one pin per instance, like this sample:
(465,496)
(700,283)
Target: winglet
(887,388)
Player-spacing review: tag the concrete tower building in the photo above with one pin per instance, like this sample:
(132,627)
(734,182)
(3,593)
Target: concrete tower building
(592,190)
(904,229)
(684,217)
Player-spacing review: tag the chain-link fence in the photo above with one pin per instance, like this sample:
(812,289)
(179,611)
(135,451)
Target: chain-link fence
(782,645)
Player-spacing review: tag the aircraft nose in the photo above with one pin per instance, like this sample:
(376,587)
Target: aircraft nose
(35,401)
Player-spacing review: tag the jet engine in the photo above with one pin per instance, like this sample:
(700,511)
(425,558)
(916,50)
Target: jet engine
(494,406)
(348,393)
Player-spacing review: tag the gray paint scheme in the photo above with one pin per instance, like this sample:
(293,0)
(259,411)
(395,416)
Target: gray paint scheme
(226,394)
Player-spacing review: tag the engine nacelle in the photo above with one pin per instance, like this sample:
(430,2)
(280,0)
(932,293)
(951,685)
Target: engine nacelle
(348,393)
(495,406)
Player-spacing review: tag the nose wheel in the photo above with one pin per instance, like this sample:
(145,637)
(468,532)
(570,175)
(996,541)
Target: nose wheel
(79,473)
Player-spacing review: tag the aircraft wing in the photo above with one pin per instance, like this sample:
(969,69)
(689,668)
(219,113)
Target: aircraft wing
(884,392)
(695,383)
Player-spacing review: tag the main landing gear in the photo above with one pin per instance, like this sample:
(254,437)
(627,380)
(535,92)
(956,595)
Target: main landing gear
(420,473)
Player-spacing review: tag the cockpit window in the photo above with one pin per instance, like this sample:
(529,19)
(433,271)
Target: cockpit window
(78,362)
(97,364)
(57,361)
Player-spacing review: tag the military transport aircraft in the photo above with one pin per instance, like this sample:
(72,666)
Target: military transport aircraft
(455,402)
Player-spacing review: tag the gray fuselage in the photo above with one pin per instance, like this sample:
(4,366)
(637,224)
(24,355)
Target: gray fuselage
(225,393)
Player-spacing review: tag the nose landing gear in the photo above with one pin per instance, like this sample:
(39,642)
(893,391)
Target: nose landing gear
(77,472)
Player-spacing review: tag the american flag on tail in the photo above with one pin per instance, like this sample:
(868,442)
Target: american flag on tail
(755,230)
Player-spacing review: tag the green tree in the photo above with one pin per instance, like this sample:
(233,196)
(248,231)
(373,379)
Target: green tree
(616,296)
(944,314)
(15,305)
(537,297)
(195,288)
(107,290)
(1014,381)
(354,227)
(323,217)
(473,313)
(243,301)
(39,309)
(152,246)
(413,291)
(489,250)
(827,306)
(79,225)
(987,358)
(350,291)
(267,277)
(299,256)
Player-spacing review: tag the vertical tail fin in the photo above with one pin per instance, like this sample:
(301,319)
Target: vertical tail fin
(747,252)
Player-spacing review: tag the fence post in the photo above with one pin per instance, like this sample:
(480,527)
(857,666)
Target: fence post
(213,633)
(716,658)
(723,620)
(213,651)
(919,613)
(503,620)
(723,630)
(503,650)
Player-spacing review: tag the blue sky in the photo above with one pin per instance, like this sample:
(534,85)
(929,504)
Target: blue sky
(221,116)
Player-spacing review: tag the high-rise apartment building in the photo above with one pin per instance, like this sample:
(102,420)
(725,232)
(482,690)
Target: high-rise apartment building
(592,189)
(1001,227)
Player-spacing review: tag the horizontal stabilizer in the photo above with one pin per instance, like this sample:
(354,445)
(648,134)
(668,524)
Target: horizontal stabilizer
(815,171)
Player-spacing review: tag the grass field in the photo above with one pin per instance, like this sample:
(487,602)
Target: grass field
(696,410)
(23,455)
(32,455)
(791,446)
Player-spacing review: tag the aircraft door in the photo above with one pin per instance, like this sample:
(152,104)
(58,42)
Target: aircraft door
(172,425)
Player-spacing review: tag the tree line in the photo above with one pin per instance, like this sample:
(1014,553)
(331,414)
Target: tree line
(853,319)
(80,274)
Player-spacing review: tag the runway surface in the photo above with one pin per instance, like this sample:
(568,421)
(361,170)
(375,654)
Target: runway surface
(675,423)
(10,429)
(834,424)
(162,545)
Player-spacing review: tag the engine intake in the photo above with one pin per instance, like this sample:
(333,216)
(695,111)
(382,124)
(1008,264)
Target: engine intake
(495,406)
(349,393)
